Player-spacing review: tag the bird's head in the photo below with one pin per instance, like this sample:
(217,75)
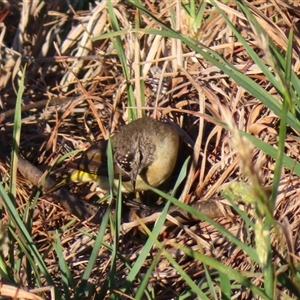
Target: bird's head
(134,160)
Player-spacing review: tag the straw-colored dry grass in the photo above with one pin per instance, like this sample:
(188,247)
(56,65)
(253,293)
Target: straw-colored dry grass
(55,42)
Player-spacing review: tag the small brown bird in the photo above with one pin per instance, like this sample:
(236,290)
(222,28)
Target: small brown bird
(144,152)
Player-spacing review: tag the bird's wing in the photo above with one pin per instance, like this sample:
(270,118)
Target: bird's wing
(94,161)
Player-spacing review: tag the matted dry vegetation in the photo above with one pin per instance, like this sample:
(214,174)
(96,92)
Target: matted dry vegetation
(77,91)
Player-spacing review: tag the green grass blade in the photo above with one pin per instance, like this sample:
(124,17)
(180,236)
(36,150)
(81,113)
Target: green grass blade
(231,273)
(66,275)
(83,289)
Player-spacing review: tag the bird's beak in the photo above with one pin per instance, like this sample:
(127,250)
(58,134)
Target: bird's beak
(133,185)
(133,176)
